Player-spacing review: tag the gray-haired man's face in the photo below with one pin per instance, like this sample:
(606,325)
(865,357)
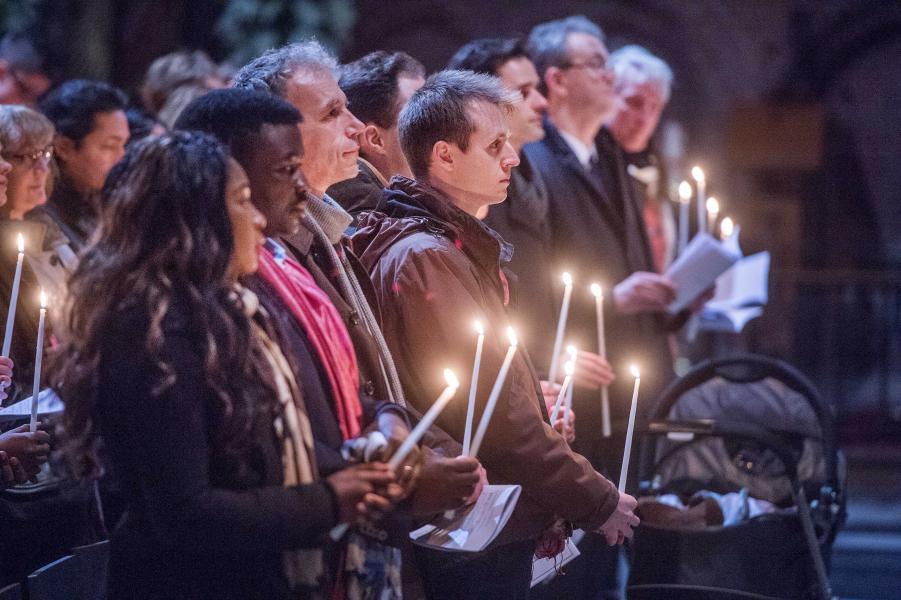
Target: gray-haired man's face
(638,110)
(329,129)
(588,80)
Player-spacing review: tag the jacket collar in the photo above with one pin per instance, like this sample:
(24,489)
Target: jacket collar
(405,197)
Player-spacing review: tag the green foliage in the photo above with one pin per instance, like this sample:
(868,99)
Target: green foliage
(249,27)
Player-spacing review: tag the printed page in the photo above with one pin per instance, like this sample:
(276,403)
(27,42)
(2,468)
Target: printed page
(697,269)
(476,526)
(545,568)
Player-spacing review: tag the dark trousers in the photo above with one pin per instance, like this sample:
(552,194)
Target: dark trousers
(501,573)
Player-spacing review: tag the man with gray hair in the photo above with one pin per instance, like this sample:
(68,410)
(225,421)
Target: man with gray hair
(436,268)
(643,83)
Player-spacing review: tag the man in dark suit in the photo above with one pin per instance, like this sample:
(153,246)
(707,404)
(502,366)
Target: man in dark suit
(598,234)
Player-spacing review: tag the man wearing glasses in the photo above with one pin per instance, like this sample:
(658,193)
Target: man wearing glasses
(22,76)
(597,233)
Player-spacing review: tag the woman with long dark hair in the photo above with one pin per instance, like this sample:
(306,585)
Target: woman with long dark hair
(171,369)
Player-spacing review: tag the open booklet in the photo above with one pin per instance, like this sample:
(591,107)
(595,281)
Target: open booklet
(697,268)
(48,403)
(474,527)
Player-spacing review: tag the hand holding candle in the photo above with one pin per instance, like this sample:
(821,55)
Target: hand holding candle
(14,297)
(598,294)
(561,326)
(630,429)
(473,388)
(495,394)
(38,358)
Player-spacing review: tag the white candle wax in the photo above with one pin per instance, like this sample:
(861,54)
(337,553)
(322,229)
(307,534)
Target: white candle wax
(684,204)
(561,326)
(713,211)
(473,386)
(426,421)
(495,394)
(38,359)
(630,429)
(701,183)
(13,298)
(564,389)
(602,351)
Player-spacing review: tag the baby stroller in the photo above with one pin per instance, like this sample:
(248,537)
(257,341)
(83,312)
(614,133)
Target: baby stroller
(746,423)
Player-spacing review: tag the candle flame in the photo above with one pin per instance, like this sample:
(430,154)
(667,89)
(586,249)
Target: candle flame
(634,370)
(685,191)
(511,335)
(43,299)
(571,350)
(567,278)
(727,227)
(479,329)
(697,174)
(569,368)
(451,379)
(20,242)
(596,291)
(713,205)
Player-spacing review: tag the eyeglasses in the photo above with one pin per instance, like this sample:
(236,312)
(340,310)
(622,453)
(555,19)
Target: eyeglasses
(598,65)
(30,159)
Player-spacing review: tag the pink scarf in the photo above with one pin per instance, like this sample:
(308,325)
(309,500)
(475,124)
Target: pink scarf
(326,331)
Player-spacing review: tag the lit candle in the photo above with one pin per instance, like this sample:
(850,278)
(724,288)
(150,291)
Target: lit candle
(561,326)
(473,385)
(426,421)
(629,430)
(573,354)
(713,211)
(701,183)
(684,203)
(495,394)
(569,368)
(38,358)
(602,351)
(13,298)
(726,228)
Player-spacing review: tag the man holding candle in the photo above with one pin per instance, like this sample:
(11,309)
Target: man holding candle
(435,265)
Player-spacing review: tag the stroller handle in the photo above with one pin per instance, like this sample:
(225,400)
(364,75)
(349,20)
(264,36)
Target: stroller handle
(756,368)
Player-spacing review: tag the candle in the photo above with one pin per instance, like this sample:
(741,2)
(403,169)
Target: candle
(713,211)
(726,228)
(13,298)
(630,429)
(38,358)
(684,203)
(561,326)
(495,394)
(426,421)
(473,385)
(701,183)
(602,351)
(569,368)
(573,354)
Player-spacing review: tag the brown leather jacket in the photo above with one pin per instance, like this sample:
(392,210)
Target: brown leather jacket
(436,270)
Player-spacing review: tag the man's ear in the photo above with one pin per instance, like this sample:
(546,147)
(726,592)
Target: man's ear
(64,147)
(443,156)
(553,79)
(372,141)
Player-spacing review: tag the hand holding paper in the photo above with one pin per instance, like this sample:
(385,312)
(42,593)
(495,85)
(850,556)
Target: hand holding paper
(696,270)
(643,292)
